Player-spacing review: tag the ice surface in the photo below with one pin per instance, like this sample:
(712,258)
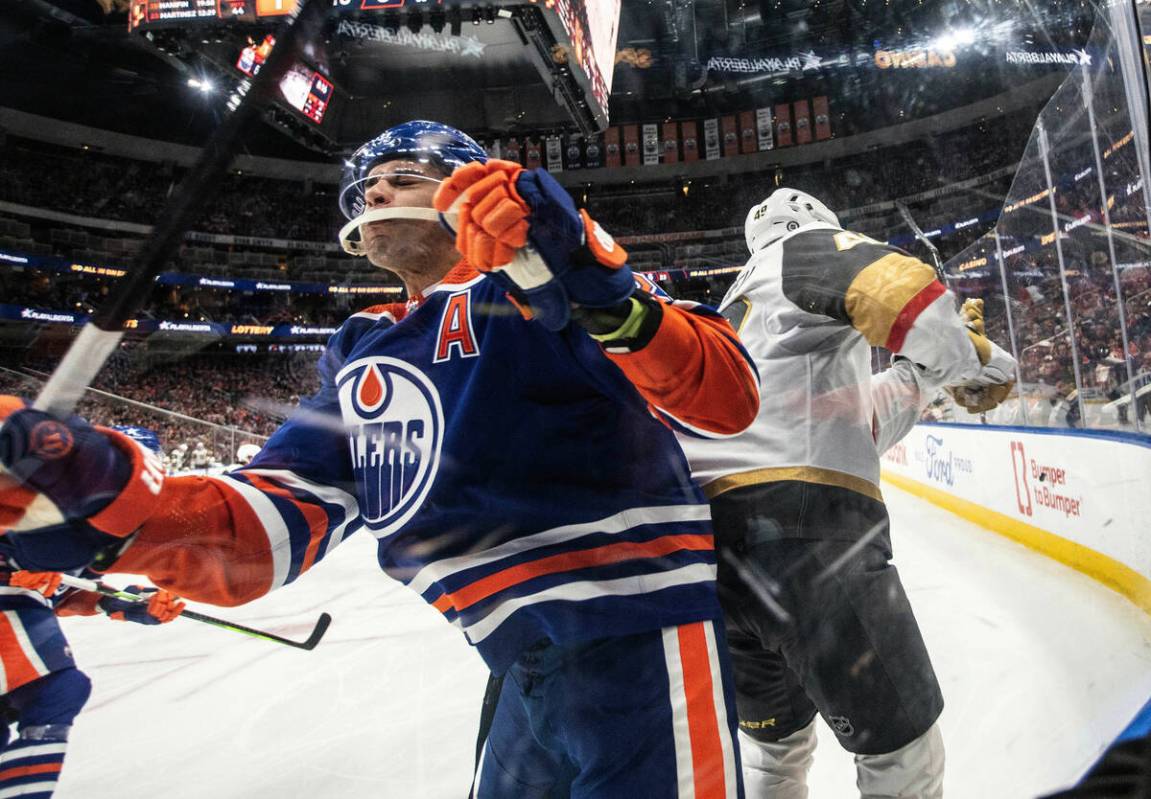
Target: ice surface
(1040,667)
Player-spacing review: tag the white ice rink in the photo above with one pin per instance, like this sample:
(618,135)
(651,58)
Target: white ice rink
(1040,667)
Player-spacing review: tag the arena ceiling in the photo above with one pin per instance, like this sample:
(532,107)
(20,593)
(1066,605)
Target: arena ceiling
(74,59)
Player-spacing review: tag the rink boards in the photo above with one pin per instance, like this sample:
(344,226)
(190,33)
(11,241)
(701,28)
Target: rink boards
(1080,497)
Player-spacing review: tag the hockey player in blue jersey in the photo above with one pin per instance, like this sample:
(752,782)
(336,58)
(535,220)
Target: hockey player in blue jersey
(41,689)
(507,436)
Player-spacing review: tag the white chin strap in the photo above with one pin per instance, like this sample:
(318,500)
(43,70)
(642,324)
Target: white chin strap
(356,246)
(527,270)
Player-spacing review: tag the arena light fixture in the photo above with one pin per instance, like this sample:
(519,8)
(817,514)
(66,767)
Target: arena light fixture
(953,40)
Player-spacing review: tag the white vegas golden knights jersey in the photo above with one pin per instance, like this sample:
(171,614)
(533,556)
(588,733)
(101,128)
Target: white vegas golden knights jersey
(808,308)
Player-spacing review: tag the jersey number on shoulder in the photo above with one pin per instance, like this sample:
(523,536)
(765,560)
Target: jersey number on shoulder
(457,335)
(845,240)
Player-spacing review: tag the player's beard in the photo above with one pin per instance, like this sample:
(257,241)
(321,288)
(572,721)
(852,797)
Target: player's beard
(410,247)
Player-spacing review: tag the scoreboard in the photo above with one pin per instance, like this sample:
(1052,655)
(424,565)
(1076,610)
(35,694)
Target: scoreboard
(577,33)
(152,12)
(274,8)
(173,13)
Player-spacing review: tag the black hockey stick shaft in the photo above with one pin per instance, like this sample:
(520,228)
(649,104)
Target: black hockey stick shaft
(937,261)
(487,718)
(104,589)
(99,338)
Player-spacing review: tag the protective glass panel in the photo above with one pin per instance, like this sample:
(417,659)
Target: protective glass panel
(1069,257)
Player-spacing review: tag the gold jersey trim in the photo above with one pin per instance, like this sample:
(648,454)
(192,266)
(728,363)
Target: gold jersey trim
(802,474)
(881,291)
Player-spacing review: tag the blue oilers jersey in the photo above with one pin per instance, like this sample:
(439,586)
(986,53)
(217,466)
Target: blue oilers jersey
(514,477)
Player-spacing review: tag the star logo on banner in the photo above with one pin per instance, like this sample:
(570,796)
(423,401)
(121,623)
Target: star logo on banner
(1084,57)
(811,60)
(472,47)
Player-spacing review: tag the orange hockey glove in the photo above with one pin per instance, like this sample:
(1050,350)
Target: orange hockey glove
(493,218)
(44,582)
(162,606)
(503,208)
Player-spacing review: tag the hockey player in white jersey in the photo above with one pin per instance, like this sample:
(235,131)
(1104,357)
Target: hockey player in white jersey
(818,620)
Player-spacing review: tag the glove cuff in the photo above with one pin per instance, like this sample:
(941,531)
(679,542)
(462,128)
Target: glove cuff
(635,311)
(600,244)
(626,327)
(137,500)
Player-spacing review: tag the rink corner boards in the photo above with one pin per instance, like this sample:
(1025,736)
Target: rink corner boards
(1077,497)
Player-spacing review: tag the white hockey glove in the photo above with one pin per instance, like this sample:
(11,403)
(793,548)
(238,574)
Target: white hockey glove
(996,376)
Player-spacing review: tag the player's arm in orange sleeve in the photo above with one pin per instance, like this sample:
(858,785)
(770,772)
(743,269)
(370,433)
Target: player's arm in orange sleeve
(232,538)
(223,539)
(686,361)
(206,543)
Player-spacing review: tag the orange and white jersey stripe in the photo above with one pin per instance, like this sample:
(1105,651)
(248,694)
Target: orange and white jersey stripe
(558,571)
(704,747)
(20,662)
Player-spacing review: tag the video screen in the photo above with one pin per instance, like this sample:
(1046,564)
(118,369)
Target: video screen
(303,88)
(254,55)
(603,24)
(307,91)
(593,28)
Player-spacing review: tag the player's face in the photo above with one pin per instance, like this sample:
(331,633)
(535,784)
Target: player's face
(401,184)
(405,245)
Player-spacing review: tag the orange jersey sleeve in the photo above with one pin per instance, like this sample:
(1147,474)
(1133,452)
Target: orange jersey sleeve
(694,372)
(206,543)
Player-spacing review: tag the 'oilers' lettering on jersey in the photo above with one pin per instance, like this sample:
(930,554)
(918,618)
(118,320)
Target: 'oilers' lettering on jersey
(456,331)
(396,423)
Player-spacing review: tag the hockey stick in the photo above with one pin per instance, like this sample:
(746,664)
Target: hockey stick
(905,212)
(487,717)
(100,337)
(103,589)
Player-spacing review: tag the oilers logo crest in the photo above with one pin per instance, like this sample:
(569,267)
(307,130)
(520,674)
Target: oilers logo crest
(396,424)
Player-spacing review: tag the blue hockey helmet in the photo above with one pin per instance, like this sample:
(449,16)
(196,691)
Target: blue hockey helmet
(419,140)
